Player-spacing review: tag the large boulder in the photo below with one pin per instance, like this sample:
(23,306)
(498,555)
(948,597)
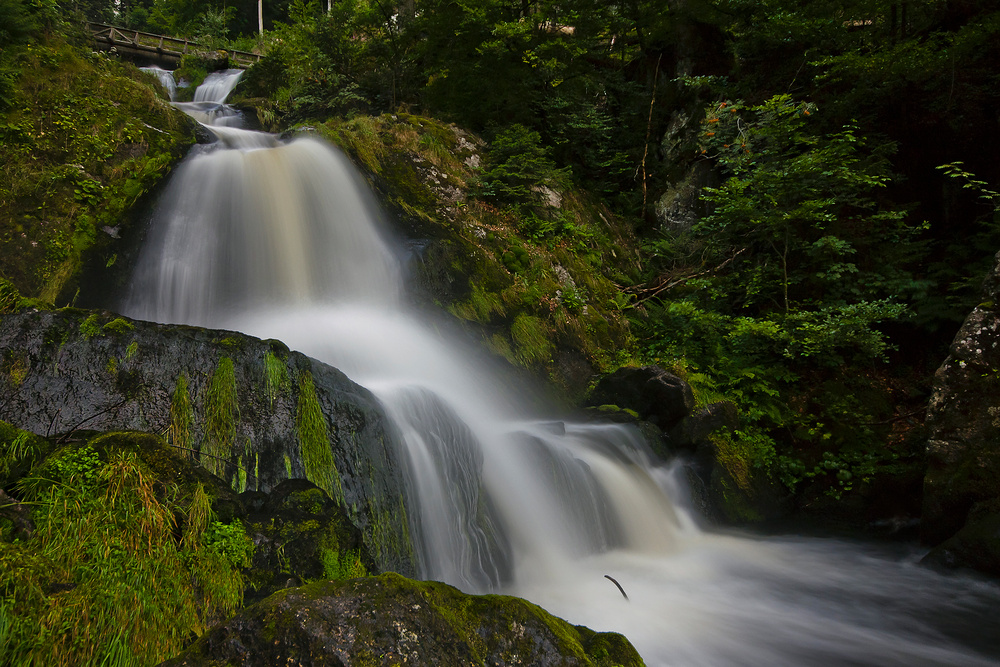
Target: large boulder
(963,420)
(391,620)
(249,411)
(651,392)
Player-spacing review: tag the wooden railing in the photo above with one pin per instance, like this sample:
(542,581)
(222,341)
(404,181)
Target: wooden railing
(158,47)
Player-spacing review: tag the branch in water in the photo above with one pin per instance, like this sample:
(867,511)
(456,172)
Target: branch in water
(615,582)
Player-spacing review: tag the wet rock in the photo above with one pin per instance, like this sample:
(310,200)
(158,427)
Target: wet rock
(236,404)
(300,533)
(976,545)
(693,431)
(963,420)
(654,394)
(391,620)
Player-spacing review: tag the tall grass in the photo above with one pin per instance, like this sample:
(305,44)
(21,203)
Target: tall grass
(121,570)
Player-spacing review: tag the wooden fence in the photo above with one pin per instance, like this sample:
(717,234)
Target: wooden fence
(159,48)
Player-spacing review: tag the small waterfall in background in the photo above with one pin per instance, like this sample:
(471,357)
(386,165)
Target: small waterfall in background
(166,78)
(217,86)
(283,240)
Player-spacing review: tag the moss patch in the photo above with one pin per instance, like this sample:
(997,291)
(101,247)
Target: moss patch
(221,416)
(314,440)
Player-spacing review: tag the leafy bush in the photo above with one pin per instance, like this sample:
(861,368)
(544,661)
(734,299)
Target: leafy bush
(518,166)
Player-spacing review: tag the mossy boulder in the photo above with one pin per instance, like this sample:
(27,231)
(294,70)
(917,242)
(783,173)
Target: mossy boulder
(963,421)
(249,411)
(655,394)
(301,534)
(391,620)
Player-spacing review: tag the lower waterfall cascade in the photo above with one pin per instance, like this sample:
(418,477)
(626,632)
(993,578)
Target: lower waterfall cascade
(283,240)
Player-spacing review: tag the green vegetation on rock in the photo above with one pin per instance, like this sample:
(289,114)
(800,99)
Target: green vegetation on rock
(221,418)
(88,586)
(276,379)
(314,440)
(181,415)
(82,138)
(417,623)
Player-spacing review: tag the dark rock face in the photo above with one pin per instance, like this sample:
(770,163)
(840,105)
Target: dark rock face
(299,533)
(390,620)
(693,431)
(976,545)
(250,411)
(963,421)
(654,394)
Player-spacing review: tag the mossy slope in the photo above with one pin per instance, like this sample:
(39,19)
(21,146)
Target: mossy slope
(540,285)
(82,139)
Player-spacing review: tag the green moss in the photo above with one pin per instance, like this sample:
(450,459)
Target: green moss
(119,326)
(314,440)
(276,378)
(743,480)
(342,565)
(15,367)
(388,534)
(83,138)
(531,339)
(232,342)
(221,416)
(90,327)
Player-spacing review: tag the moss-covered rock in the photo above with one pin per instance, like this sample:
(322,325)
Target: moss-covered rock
(232,402)
(539,286)
(82,139)
(963,419)
(301,534)
(391,620)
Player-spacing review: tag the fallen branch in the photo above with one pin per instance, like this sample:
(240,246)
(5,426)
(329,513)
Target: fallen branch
(615,582)
(645,292)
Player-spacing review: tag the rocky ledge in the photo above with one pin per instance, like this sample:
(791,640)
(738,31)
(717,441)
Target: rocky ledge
(391,620)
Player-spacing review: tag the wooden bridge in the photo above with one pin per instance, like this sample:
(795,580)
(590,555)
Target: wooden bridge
(158,49)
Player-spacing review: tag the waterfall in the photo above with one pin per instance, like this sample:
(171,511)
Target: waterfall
(283,240)
(217,86)
(166,78)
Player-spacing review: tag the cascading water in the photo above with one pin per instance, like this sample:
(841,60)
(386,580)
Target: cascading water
(282,241)
(166,78)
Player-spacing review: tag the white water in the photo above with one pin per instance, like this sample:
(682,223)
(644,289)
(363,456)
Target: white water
(166,78)
(217,86)
(282,241)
